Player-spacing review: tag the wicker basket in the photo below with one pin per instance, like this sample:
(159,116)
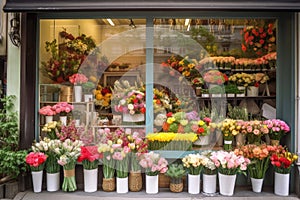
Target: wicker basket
(176,187)
(135,181)
(109,185)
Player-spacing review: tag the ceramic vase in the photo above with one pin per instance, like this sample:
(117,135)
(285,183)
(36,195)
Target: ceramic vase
(37,179)
(281,184)
(151,184)
(227,184)
(193,184)
(122,185)
(53,182)
(209,183)
(90,180)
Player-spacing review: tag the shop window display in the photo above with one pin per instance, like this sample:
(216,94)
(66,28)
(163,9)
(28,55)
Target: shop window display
(202,69)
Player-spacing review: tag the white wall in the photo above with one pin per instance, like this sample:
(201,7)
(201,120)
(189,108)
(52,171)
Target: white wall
(3,26)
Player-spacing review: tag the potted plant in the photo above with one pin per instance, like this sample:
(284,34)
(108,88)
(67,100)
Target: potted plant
(176,172)
(217,91)
(12,159)
(231,90)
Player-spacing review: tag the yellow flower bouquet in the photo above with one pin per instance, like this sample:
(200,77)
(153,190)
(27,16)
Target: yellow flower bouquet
(171,141)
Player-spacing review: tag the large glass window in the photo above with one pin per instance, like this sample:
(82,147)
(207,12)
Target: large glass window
(194,69)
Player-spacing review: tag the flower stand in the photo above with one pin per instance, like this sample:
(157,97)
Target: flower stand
(281,184)
(193,184)
(257,184)
(109,184)
(37,179)
(135,181)
(209,183)
(90,180)
(151,184)
(122,185)
(226,184)
(53,182)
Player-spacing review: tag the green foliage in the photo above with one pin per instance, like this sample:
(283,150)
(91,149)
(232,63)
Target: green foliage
(9,129)
(12,163)
(12,160)
(232,89)
(237,112)
(205,39)
(176,171)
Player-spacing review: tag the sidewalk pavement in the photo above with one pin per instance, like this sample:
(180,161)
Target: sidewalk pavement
(164,194)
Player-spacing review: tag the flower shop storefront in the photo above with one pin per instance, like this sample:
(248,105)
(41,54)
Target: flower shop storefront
(128,91)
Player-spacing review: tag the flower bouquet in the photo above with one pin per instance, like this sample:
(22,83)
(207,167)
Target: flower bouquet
(282,160)
(259,40)
(255,129)
(209,173)
(50,147)
(228,165)
(215,77)
(259,156)
(137,146)
(47,111)
(66,58)
(121,157)
(106,149)
(132,104)
(89,157)
(161,101)
(277,129)
(229,128)
(51,129)
(36,161)
(241,79)
(153,165)
(68,154)
(69,131)
(78,79)
(103,97)
(171,141)
(194,164)
(63,108)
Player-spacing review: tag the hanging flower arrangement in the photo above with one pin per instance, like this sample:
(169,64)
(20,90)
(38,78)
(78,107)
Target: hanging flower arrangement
(259,40)
(66,58)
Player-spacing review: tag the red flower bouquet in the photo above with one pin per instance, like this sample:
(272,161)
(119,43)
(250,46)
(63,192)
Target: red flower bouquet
(89,157)
(283,160)
(259,40)
(36,160)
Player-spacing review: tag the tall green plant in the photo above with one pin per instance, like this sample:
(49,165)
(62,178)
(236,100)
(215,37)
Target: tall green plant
(12,160)
(9,129)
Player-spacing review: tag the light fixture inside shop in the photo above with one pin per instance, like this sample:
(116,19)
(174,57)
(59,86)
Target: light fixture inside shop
(132,25)
(110,22)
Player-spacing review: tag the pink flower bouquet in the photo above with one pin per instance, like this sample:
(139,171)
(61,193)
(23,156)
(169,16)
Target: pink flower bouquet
(121,156)
(277,128)
(47,111)
(78,79)
(36,160)
(229,163)
(63,108)
(153,163)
